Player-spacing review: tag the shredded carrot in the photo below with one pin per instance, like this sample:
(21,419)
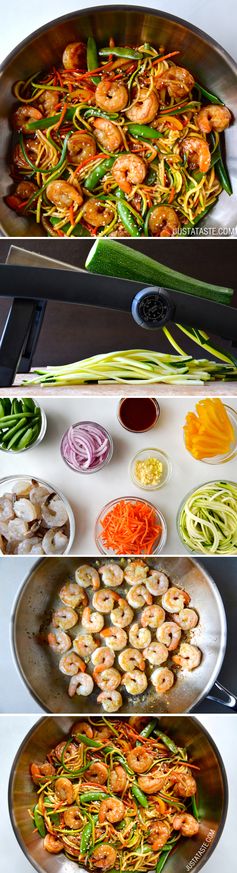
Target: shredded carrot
(62,116)
(165,57)
(88,161)
(71,216)
(130,528)
(172,194)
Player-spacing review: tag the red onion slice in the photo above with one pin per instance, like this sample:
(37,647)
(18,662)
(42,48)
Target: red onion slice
(85,446)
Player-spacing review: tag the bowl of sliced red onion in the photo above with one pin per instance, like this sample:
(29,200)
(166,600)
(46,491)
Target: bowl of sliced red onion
(86,447)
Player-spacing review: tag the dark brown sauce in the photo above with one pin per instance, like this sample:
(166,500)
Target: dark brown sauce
(138,413)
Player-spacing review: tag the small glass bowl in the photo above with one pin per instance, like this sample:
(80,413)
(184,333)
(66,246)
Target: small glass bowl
(183,501)
(159,543)
(36,442)
(143,455)
(144,429)
(103,463)
(222,459)
(7,485)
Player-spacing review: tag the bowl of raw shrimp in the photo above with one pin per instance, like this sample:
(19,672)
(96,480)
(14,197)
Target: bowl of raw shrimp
(35,518)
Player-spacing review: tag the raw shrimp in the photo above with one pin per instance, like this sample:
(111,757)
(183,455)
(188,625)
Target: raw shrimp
(111,700)
(187,619)
(97,212)
(111,809)
(82,684)
(129,659)
(188,657)
(31,546)
(157,583)
(186,824)
(152,782)
(136,571)
(53,844)
(145,108)
(175,599)
(41,772)
(64,790)
(185,784)
(162,678)
(71,664)
(54,511)
(97,772)
(63,195)
(156,654)
(139,637)
(92,621)
(72,594)
(163,221)
(82,727)
(138,595)
(108,134)
(197,152)
(54,542)
(64,617)
(177,80)
(104,856)
(139,760)
(23,508)
(118,779)
(169,634)
(84,645)
(159,833)
(102,658)
(115,638)
(122,615)
(108,679)
(152,616)
(23,115)
(16,529)
(103,600)
(72,817)
(74,56)
(80,146)
(86,575)
(59,641)
(112,574)
(37,493)
(213,118)
(111,96)
(135,682)
(6,507)
(129,170)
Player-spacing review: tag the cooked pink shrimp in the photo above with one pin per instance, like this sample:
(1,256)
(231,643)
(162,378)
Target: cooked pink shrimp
(118,779)
(41,772)
(138,595)
(111,700)
(84,645)
(97,772)
(156,654)
(139,760)
(81,684)
(187,619)
(86,575)
(108,134)
(53,844)
(129,659)
(82,727)
(177,80)
(186,824)
(111,809)
(80,147)
(64,790)
(185,784)
(197,152)
(108,679)
(135,682)
(103,856)
(152,616)
(64,617)
(103,600)
(144,108)
(159,832)
(162,678)
(213,118)
(63,195)
(102,658)
(122,615)
(157,583)
(23,115)
(115,638)
(92,621)
(71,664)
(129,170)
(136,571)
(74,56)
(175,599)
(169,634)
(111,96)
(188,657)
(163,221)
(72,595)
(59,641)
(97,212)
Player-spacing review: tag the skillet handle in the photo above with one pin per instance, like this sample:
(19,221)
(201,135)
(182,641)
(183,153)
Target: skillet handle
(223,696)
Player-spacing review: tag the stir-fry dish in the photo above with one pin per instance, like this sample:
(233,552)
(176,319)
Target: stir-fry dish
(122,142)
(33,520)
(115,795)
(134,638)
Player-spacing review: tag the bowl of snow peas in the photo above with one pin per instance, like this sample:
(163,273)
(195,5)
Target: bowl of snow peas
(22,424)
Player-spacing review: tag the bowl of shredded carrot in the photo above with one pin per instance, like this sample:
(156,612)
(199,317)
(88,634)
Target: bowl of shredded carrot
(130,526)
(210,433)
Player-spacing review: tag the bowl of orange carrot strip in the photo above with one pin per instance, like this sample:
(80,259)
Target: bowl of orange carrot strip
(210,433)
(130,526)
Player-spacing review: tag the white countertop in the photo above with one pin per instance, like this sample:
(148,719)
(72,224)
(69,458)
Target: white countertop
(222,729)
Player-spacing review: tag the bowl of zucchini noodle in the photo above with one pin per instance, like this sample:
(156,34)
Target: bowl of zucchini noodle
(207,519)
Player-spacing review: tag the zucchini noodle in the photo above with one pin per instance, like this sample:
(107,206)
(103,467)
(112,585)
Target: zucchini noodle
(207,520)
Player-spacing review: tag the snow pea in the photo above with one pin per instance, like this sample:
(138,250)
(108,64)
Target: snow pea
(92,58)
(142,131)
(162,860)
(39,822)
(86,838)
(97,173)
(139,795)
(167,741)
(43,123)
(223,175)
(121,52)
(93,796)
(94,744)
(208,95)
(127,218)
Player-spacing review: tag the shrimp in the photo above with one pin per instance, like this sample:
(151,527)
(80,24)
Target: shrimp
(104,856)
(108,679)
(112,574)
(84,645)
(188,657)
(111,700)
(163,221)
(169,634)
(185,784)
(70,664)
(54,511)
(135,682)
(23,508)
(92,621)
(64,617)
(102,658)
(41,772)
(118,779)
(48,102)
(157,583)
(82,727)
(156,654)
(177,80)
(59,641)
(25,190)
(186,824)
(37,493)
(139,760)
(152,616)
(74,56)
(162,678)
(152,782)
(80,146)
(111,809)
(82,684)
(159,833)
(103,600)
(16,530)
(111,96)
(72,594)
(98,213)
(72,817)
(129,170)
(64,790)
(6,507)
(138,595)
(54,542)
(53,844)
(115,638)
(122,615)
(136,571)
(144,108)
(131,658)
(139,637)
(108,134)
(23,115)
(187,619)
(175,599)
(97,772)
(86,575)
(63,195)
(213,118)
(67,752)
(30,547)
(197,152)
(31,149)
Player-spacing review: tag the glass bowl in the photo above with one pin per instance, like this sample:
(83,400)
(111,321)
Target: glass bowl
(39,438)
(159,543)
(143,429)
(7,485)
(143,455)
(185,498)
(103,463)
(222,459)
